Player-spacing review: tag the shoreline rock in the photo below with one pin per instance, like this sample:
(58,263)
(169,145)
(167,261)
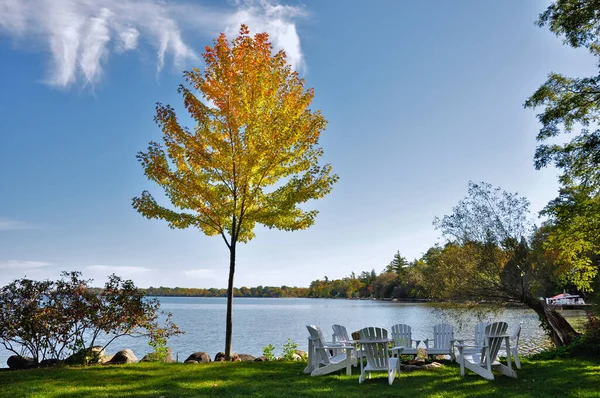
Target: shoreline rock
(123,357)
(18,362)
(198,357)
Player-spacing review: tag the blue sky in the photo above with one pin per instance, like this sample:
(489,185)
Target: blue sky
(421,98)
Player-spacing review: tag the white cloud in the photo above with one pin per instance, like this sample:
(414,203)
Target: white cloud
(81,34)
(6,224)
(117,269)
(201,274)
(22,265)
(275,19)
(99,273)
(128,39)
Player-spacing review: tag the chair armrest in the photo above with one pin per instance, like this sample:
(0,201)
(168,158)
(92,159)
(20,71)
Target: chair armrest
(338,347)
(374,341)
(461,347)
(335,346)
(398,348)
(466,345)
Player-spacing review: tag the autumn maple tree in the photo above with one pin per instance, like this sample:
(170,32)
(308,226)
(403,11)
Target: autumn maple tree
(252,157)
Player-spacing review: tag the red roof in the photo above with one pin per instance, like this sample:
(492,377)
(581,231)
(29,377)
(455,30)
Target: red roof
(562,295)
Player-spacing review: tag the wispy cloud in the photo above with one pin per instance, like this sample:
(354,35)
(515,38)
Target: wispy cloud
(22,265)
(275,19)
(7,224)
(81,35)
(117,269)
(200,273)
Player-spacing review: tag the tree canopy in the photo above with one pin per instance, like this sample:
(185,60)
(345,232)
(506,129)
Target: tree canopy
(488,256)
(572,106)
(252,156)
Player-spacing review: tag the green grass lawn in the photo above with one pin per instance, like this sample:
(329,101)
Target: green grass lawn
(541,378)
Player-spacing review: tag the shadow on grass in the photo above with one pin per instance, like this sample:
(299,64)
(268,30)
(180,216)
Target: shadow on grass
(550,378)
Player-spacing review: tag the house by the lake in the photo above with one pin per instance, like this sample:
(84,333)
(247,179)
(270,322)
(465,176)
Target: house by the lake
(566,299)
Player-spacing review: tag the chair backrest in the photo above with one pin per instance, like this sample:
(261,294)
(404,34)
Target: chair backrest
(374,344)
(494,333)
(322,353)
(443,334)
(402,335)
(340,333)
(480,333)
(514,337)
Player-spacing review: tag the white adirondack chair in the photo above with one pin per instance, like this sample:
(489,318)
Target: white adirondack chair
(442,342)
(479,339)
(514,345)
(340,335)
(374,345)
(485,361)
(402,337)
(320,361)
(480,333)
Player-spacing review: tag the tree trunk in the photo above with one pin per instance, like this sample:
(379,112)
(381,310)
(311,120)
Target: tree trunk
(560,331)
(229,320)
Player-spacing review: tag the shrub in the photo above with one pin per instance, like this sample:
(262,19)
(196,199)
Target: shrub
(268,352)
(51,319)
(289,350)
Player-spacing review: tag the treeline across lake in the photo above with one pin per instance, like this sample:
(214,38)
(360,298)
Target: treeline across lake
(258,291)
(436,275)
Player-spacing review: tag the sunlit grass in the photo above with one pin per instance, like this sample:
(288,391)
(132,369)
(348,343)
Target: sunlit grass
(542,378)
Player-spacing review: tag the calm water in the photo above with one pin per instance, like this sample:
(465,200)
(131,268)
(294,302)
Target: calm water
(258,322)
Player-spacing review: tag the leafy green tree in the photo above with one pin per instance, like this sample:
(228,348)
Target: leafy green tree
(572,106)
(353,286)
(384,285)
(367,278)
(488,256)
(252,156)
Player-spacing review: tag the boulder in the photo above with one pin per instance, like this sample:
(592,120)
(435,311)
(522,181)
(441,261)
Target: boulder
(246,357)
(198,357)
(190,361)
(413,365)
(19,362)
(123,356)
(105,359)
(220,357)
(432,365)
(417,361)
(302,354)
(296,357)
(261,358)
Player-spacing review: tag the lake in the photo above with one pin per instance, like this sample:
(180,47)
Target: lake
(258,322)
